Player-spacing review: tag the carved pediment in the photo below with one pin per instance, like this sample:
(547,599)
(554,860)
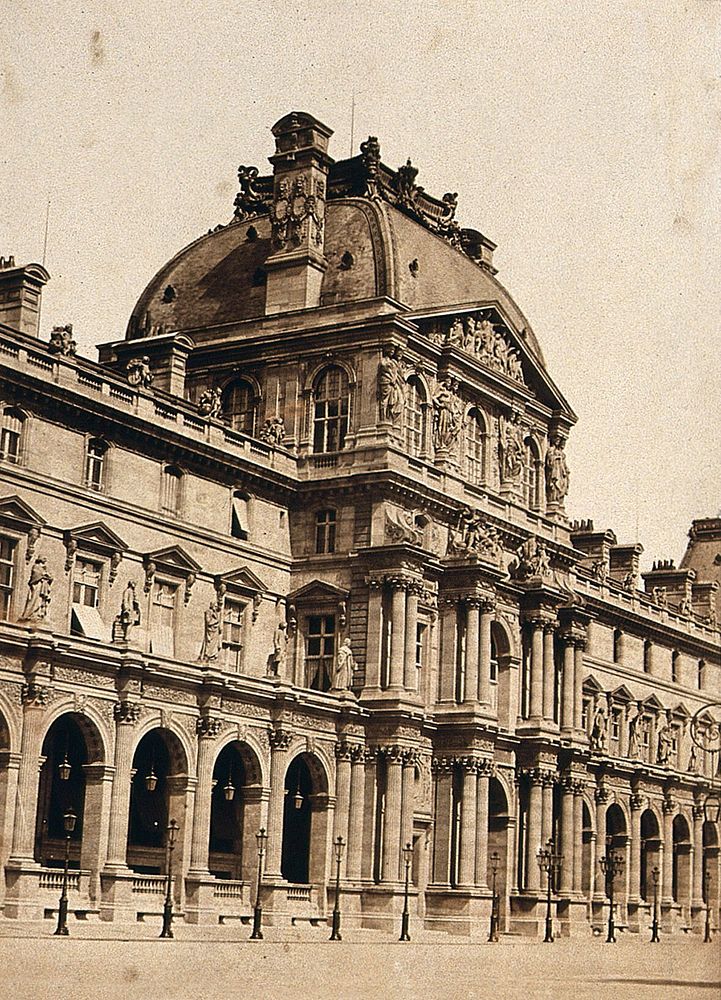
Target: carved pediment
(96,536)
(653,704)
(243,579)
(622,694)
(591,686)
(172,558)
(680,711)
(318,590)
(14,511)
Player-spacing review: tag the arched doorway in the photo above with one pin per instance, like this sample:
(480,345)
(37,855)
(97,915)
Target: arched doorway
(710,840)
(498,819)
(157,795)
(303,855)
(501,658)
(234,813)
(617,840)
(70,744)
(586,851)
(681,872)
(650,854)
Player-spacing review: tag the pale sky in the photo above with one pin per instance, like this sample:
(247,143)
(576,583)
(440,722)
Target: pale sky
(582,137)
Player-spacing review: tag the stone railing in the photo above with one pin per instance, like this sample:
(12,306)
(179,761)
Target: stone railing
(229,889)
(52,878)
(149,885)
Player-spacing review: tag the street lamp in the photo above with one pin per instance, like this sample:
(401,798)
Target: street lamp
(611,866)
(550,863)
(407,858)
(257,935)
(707,897)
(339,845)
(167,931)
(495,860)
(69,823)
(654,924)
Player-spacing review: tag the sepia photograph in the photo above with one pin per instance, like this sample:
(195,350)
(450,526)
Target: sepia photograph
(360,500)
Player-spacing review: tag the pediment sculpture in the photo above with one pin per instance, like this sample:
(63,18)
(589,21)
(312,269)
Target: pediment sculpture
(476,334)
(473,536)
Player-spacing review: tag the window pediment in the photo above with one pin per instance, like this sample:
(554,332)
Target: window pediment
(243,581)
(173,560)
(320,591)
(14,512)
(622,694)
(653,704)
(97,537)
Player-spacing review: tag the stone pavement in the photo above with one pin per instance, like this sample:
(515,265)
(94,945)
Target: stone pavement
(125,962)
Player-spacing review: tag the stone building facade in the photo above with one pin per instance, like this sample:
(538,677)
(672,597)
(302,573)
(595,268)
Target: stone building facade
(294,555)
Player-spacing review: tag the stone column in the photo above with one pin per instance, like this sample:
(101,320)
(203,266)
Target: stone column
(443,772)
(354,850)
(207,729)
(394,799)
(536,711)
(374,633)
(697,858)
(578,647)
(533,840)
(469,806)
(549,671)
(398,631)
(96,816)
(410,758)
(126,714)
(447,659)
(9,767)
(484,774)
(470,693)
(547,807)
(567,837)
(484,687)
(578,838)
(280,740)
(568,687)
(623,731)
(634,848)
(666,889)
(341,816)
(601,796)
(409,669)
(34,699)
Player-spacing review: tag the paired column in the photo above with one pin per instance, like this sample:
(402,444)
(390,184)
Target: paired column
(568,837)
(394,800)
(469,807)
(34,698)
(126,715)
(697,876)
(484,774)
(207,729)
(601,796)
(578,787)
(354,850)
(669,807)
(398,631)
(343,756)
(578,647)
(472,649)
(280,740)
(443,773)
(568,686)
(409,671)
(634,848)
(549,671)
(536,707)
(484,687)
(533,839)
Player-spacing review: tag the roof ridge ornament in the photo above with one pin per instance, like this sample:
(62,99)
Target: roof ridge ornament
(251,200)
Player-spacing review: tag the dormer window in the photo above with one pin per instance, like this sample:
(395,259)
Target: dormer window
(239,406)
(331,410)
(95,464)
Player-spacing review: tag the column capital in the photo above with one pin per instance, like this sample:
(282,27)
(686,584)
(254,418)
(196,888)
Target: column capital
(207,727)
(442,765)
(668,805)
(126,713)
(637,801)
(393,753)
(601,795)
(34,695)
(697,811)
(343,750)
(279,739)
(397,581)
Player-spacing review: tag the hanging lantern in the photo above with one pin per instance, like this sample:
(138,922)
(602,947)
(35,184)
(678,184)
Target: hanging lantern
(64,769)
(69,820)
(151,780)
(298,798)
(229,790)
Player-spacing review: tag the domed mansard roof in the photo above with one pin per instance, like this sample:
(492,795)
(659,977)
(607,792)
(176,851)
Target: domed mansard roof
(383,236)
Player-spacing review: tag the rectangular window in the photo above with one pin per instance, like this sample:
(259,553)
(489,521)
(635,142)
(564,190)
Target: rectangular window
(170,491)
(7,575)
(585,713)
(645,738)
(10,439)
(239,521)
(233,633)
(675,663)
(420,644)
(701,674)
(162,618)
(320,651)
(86,583)
(461,634)
(616,725)
(94,464)
(325,531)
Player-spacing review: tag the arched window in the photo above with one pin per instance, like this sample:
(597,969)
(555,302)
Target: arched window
(414,417)
(170,490)
(475,448)
(617,645)
(95,463)
(647,656)
(12,435)
(675,666)
(532,476)
(239,406)
(701,674)
(331,408)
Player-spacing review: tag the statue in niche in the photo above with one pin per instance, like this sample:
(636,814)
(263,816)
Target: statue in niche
(129,614)
(210,403)
(273,431)
(391,385)
(277,658)
(557,474)
(692,760)
(343,667)
(61,340)
(447,414)
(511,449)
(38,599)
(598,730)
(139,373)
(211,637)
(633,742)
(665,745)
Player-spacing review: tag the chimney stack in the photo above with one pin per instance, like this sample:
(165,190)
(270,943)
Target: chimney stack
(20,294)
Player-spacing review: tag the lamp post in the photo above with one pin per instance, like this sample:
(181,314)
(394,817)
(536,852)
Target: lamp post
(338,845)
(654,924)
(611,866)
(495,860)
(407,858)
(69,823)
(257,935)
(167,931)
(550,863)
(707,897)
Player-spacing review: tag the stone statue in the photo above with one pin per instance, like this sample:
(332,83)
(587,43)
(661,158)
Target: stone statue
(211,638)
(343,667)
(633,744)
(273,431)
(401,526)
(210,403)
(557,474)
(280,645)
(472,536)
(456,333)
(532,559)
(371,156)
(38,599)
(665,744)
(692,760)
(659,596)
(139,373)
(129,614)
(391,386)
(61,340)
(511,449)
(600,570)
(447,414)
(598,730)
(685,608)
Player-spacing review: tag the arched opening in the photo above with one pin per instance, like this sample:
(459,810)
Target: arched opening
(586,851)
(681,873)
(62,787)
(234,813)
(498,841)
(157,795)
(710,887)
(239,405)
(414,417)
(501,673)
(304,822)
(616,839)
(331,410)
(650,854)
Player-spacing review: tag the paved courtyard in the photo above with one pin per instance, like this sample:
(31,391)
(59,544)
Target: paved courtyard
(225,964)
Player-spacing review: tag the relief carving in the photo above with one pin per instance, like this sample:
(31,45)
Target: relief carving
(476,334)
(472,536)
(294,208)
(391,386)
